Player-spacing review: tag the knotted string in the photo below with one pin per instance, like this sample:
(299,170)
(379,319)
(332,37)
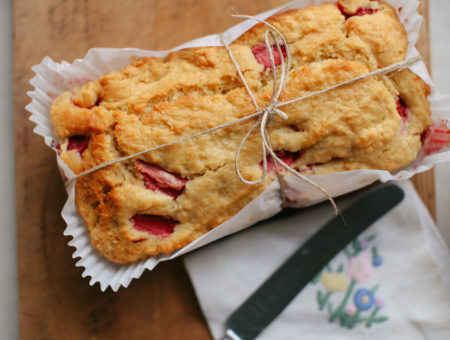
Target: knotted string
(264,115)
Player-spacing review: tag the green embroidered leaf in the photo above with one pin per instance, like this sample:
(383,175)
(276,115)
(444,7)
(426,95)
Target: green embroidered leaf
(329,268)
(374,252)
(344,300)
(319,297)
(375,288)
(343,318)
(324,301)
(380,319)
(330,307)
(371,238)
(347,253)
(372,316)
(340,268)
(351,325)
(353,320)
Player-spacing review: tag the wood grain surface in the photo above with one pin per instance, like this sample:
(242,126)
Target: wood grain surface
(55,302)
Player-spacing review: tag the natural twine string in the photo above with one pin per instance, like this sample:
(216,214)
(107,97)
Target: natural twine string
(266,114)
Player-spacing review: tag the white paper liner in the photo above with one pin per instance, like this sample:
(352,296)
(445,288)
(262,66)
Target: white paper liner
(53,78)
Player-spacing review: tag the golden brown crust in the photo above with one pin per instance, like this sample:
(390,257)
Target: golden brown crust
(154,101)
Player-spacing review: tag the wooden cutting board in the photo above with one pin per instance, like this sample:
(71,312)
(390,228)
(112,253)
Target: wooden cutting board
(55,302)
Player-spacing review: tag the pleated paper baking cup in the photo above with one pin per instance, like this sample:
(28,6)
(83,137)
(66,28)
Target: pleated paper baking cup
(53,78)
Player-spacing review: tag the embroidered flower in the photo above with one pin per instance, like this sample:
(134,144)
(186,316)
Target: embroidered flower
(379,302)
(364,299)
(350,310)
(359,267)
(377,261)
(363,244)
(356,305)
(334,282)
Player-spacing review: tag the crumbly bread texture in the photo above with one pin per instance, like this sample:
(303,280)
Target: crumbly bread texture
(162,201)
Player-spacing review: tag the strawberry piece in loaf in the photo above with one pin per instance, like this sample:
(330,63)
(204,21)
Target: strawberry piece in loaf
(286,156)
(262,55)
(158,179)
(78,142)
(154,225)
(402,108)
(359,12)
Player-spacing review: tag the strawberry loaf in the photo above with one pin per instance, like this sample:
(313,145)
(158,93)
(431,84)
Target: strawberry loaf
(159,202)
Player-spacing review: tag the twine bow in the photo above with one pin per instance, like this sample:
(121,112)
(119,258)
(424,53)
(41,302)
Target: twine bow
(264,115)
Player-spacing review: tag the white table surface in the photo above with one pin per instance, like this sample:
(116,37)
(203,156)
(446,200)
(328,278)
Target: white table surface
(440,51)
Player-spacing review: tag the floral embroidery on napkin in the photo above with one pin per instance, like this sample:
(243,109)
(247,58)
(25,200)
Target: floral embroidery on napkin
(356,302)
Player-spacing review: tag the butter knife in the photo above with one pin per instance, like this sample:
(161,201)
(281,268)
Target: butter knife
(269,300)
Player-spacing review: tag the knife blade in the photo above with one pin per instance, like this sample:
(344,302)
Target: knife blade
(269,300)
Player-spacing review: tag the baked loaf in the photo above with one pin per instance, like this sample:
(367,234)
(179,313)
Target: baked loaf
(160,202)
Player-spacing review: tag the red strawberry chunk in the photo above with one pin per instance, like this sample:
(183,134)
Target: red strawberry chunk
(152,185)
(262,55)
(435,138)
(97,103)
(363,11)
(425,134)
(402,109)
(286,156)
(158,179)
(297,128)
(78,142)
(359,12)
(154,224)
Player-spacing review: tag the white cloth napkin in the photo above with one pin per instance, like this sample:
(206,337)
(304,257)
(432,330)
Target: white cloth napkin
(396,276)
